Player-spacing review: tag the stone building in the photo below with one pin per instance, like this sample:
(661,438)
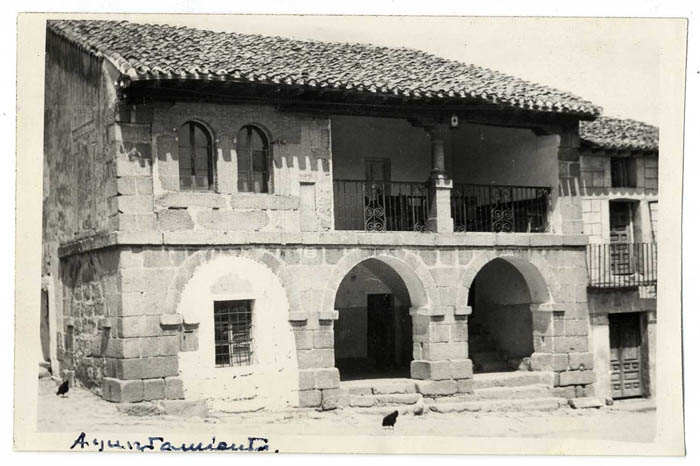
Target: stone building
(619,197)
(261,221)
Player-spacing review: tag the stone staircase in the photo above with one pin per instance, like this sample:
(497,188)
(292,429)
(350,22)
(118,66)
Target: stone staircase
(497,391)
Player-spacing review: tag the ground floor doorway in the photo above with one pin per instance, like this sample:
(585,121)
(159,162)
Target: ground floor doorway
(373,333)
(626,377)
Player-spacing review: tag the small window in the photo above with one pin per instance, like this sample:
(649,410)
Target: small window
(195,158)
(622,173)
(253,161)
(232,339)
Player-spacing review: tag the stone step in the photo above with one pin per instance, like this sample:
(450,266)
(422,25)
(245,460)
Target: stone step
(528,404)
(379,386)
(527,391)
(512,379)
(368,401)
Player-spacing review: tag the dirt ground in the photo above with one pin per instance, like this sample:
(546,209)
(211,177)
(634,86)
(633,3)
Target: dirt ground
(633,420)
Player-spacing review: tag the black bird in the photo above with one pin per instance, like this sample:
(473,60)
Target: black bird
(390,419)
(62,389)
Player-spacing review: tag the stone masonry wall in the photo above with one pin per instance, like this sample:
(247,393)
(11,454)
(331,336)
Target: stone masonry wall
(149,199)
(79,169)
(141,357)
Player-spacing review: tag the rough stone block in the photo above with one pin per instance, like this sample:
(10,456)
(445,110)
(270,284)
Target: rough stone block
(442,351)
(156,258)
(460,331)
(232,220)
(307,379)
(122,391)
(144,368)
(174,388)
(430,370)
(323,338)
(436,387)
(564,392)
(308,359)
(461,369)
(576,378)
(446,276)
(153,389)
(304,339)
(135,204)
(310,398)
(138,326)
(327,378)
(334,398)
(578,361)
(123,348)
(174,219)
(465,386)
(582,403)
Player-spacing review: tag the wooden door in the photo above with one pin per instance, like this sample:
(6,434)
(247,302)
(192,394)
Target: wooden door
(620,238)
(380,330)
(625,355)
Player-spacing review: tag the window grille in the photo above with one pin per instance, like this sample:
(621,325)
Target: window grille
(232,336)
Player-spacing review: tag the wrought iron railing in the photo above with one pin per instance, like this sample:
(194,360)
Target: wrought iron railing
(380,205)
(500,208)
(621,265)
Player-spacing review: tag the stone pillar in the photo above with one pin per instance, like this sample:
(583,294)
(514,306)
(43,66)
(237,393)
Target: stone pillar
(440,352)
(440,214)
(319,379)
(567,216)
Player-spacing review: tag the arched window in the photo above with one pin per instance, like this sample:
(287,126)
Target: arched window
(253,161)
(195,159)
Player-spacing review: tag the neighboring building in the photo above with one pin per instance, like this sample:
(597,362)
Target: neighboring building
(253,219)
(619,196)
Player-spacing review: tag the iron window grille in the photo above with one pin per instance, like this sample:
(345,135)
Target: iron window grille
(232,333)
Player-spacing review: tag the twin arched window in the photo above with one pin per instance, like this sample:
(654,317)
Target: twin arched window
(196,159)
(253,160)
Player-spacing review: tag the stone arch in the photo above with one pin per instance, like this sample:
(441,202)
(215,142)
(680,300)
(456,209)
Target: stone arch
(272,377)
(410,268)
(503,293)
(536,283)
(198,258)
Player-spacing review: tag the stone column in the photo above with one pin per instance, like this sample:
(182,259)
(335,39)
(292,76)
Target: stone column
(440,214)
(567,217)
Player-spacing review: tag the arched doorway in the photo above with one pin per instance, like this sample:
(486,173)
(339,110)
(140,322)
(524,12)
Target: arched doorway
(500,325)
(373,335)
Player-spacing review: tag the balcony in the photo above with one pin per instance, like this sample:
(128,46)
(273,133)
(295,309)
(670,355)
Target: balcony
(624,265)
(500,208)
(380,205)
(405,206)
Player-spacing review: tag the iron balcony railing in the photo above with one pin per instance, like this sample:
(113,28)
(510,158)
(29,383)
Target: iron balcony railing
(380,205)
(621,265)
(500,208)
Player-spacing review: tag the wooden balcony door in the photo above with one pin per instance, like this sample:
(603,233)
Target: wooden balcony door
(621,238)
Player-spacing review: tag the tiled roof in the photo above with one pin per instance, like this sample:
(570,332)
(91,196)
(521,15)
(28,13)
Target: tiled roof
(618,134)
(151,52)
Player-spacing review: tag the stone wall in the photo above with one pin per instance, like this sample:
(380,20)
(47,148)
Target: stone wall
(148,178)
(147,325)
(79,170)
(90,300)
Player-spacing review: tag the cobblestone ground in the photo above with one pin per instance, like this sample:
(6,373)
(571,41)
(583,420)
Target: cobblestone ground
(82,411)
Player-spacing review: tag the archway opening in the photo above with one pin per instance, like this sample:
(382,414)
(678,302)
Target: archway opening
(373,333)
(500,325)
